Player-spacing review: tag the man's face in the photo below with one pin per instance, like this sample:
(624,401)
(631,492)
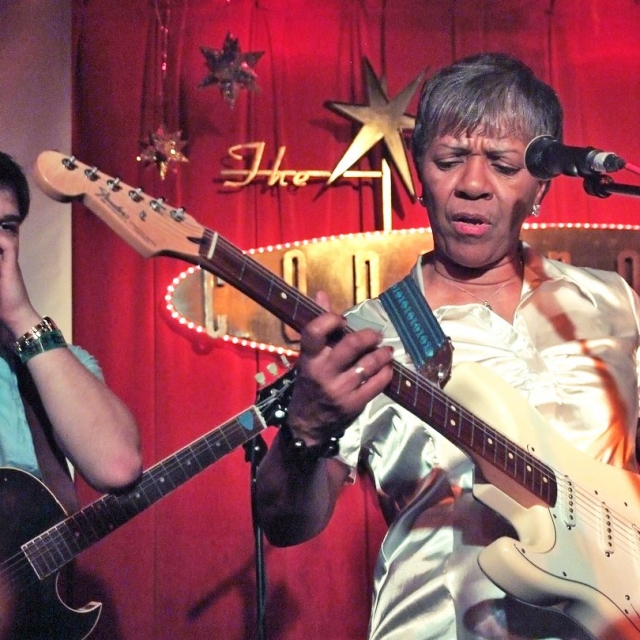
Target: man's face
(478,194)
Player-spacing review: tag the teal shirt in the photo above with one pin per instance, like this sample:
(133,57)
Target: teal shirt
(16,445)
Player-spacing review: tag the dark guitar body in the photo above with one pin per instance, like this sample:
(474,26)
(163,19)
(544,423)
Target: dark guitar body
(30,609)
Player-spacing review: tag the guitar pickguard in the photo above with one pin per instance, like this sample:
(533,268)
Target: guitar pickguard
(584,549)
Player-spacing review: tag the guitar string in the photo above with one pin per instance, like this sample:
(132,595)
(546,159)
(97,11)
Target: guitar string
(45,541)
(591,507)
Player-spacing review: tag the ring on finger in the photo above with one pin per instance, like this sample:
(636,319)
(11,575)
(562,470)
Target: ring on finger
(362,374)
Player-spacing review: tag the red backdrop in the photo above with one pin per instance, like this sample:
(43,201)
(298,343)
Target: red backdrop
(185,568)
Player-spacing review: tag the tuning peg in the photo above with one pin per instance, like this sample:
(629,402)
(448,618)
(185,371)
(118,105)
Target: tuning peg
(70,163)
(114,184)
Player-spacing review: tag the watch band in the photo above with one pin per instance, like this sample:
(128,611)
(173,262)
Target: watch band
(42,337)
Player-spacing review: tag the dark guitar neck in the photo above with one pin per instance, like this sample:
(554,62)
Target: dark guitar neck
(58,545)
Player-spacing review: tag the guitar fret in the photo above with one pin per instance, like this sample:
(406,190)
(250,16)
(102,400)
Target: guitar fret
(416,390)
(193,459)
(174,474)
(446,422)
(213,450)
(272,282)
(225,440)
(472,440)
(84,524)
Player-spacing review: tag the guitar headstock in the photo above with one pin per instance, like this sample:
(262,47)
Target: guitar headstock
(273,398)
(148,224)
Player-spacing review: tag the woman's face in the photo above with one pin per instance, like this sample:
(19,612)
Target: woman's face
(478,194)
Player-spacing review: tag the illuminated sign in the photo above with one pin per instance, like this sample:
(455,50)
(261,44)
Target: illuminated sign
(354,267)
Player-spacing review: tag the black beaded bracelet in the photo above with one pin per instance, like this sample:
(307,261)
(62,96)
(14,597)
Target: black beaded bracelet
(304,456)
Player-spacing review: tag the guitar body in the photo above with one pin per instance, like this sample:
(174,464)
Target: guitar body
(583,553)
(30,609)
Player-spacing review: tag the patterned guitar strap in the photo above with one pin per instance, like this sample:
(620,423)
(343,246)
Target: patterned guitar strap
(423,339)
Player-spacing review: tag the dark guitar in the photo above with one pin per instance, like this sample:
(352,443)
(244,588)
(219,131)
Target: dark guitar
(577,520)
(37,539)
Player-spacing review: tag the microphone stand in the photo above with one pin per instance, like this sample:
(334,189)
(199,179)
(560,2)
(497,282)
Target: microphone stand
(255,450)
(602,186)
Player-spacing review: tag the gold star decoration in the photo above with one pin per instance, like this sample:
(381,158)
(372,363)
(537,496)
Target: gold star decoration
(231,69)
(382,119)
(163,149)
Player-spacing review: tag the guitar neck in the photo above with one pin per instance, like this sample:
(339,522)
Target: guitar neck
(408,388)
(225,260)
(57,546)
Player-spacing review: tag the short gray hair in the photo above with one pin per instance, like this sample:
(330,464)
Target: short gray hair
(490,93)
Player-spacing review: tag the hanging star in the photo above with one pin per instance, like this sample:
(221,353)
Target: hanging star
(382,119)
(230,68)
(162,149)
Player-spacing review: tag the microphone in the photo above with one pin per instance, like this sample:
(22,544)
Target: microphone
(546,157)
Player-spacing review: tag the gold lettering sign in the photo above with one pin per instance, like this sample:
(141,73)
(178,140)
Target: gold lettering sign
(251,153)
(354,267)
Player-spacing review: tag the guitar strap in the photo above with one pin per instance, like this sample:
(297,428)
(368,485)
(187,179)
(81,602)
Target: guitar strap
(53,465)
(428,347)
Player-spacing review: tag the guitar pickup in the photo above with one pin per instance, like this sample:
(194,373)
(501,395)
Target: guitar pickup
(607,539)
(568,502)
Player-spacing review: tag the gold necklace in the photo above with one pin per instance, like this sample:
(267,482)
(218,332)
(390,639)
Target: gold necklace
(485,301)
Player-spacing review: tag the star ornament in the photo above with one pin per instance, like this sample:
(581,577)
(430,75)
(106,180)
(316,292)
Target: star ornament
(382,119)
(163,149)
(231,69)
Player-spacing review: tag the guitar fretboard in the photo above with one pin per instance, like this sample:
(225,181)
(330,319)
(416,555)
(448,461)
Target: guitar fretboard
(412,391)
(57,546)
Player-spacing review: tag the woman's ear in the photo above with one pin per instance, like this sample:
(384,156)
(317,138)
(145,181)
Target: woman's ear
(543,187)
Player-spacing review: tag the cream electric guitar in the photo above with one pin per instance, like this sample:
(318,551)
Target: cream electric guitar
(577,520)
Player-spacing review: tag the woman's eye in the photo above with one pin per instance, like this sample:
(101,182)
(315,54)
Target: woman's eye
(506,170)
(445,165)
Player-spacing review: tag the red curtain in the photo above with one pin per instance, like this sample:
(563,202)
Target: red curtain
(185,567)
